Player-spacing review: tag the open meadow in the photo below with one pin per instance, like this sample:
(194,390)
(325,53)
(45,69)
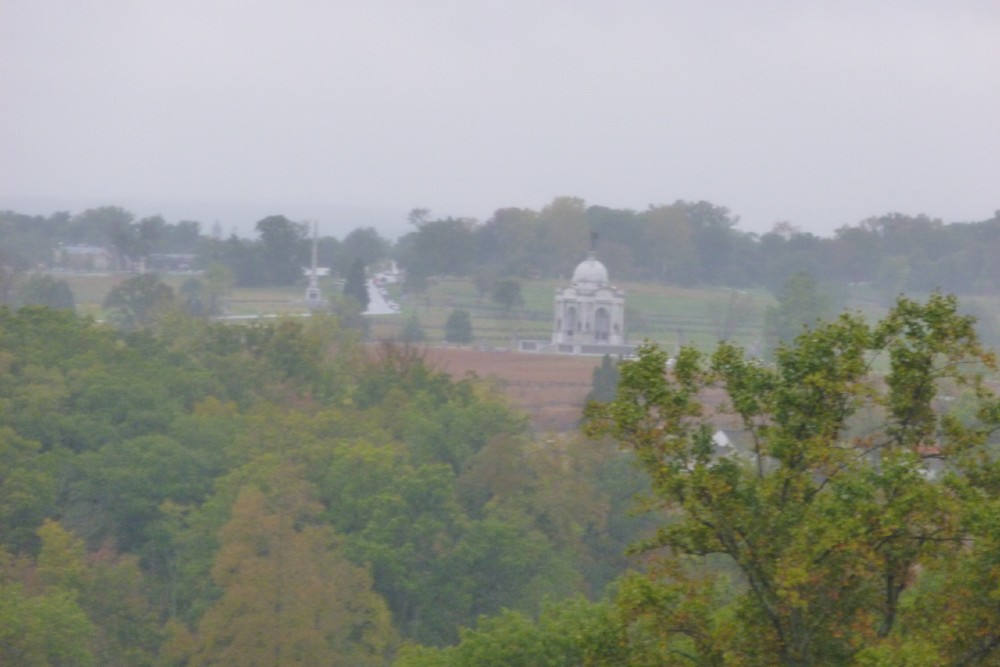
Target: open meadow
(666,314)
(661,313)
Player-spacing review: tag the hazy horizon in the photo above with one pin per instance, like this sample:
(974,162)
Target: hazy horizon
(820,115)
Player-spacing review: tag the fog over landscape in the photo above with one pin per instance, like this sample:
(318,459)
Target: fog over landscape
(472,334)
(819,114)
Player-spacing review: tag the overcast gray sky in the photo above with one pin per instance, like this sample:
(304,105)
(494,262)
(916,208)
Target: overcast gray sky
(816,113)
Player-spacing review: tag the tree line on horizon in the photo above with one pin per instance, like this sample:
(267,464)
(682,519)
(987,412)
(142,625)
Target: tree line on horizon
(684,244)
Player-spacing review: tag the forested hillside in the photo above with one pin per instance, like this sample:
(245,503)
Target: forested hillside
(195,493)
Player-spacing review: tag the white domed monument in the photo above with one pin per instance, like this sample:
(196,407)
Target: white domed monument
(590,312)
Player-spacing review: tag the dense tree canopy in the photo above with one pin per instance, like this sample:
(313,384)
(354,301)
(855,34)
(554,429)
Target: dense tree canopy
(853,506)
(168,492)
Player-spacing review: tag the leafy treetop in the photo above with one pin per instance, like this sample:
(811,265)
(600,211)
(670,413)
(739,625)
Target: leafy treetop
(836,532)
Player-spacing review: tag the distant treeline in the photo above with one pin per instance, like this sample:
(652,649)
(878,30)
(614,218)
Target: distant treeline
(684,243)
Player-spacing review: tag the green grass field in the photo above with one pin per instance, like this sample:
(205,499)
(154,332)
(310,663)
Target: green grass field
(662,313)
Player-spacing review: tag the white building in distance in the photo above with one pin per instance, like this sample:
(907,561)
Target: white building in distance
(590,311)
(589,315)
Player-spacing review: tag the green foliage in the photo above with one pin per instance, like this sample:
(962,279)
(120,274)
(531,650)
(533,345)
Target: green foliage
(458,327)
(413,332)
(122,485)
(289,595)
(437,248)
(44,629)
(193,298)
(284,250)
(407,503)
(349,313)
(43,624)
(605,382)
(117,603)
(507,294)
(568,634)
(801,305)
(685,243)
(836,536)
(365,244)
(28,485)
(28,240)
(217,283)
(111,225)
(728,318)
(138,301)
(44,290)
(356,285)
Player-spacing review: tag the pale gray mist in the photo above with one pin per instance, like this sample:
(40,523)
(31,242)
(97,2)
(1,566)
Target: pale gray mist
(816,113)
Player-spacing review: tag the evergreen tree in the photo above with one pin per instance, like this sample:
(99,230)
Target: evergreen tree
(605,382)
(507,294)
(458,328)
(413,331)
(356,285)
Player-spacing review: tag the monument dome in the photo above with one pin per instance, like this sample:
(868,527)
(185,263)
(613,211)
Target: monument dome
(591,271)
(590,313)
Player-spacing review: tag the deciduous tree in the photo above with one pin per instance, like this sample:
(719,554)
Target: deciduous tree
(284,249)
(801,304)
(136,302)
(42,622)
(828,525)
(364,243)
(45,290)
(289,597)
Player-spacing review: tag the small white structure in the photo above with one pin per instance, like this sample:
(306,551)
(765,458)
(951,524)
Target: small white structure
(590,312)
(314,298)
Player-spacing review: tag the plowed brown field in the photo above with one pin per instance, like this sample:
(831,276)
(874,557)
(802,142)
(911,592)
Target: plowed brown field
(550,388)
